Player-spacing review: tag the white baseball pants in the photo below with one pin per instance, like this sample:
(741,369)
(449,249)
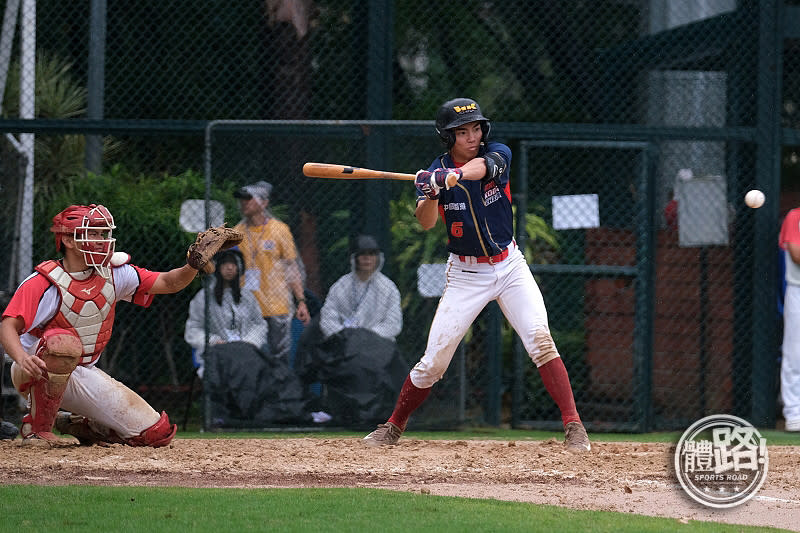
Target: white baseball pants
(99,397)
(469,287)
(790,362)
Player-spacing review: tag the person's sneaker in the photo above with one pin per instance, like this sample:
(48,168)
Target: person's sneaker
(8,431)
(793,425)
(385,435)
(575,438)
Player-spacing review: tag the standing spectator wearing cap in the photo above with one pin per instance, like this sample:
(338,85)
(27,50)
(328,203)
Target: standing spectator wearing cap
(271,266)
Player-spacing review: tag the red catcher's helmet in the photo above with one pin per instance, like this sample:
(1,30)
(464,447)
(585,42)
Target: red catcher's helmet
(97,245)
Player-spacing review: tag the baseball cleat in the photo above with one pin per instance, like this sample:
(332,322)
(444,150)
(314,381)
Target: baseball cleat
(575,438)
(386,434)
(80,428)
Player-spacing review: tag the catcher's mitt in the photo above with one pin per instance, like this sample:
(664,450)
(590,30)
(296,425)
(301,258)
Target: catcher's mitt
(208,243)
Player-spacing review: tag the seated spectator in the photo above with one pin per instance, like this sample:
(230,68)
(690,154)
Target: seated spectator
(246,385)
(363,298)
(350,347)
(234,314)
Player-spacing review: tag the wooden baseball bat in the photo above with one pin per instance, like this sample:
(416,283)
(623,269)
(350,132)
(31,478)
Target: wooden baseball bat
(344,172)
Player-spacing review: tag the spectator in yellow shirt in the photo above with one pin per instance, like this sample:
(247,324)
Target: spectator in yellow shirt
(272,272)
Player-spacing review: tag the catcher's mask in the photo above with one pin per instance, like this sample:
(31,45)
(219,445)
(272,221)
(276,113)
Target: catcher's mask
(455,113)
(91,227)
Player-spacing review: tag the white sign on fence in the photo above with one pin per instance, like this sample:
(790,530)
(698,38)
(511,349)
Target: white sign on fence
(576,211)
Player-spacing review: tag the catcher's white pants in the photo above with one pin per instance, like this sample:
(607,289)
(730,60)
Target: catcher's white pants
(96,395)
(469,287)
(790,362)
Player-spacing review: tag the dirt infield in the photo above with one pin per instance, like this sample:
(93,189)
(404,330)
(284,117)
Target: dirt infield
(618,476)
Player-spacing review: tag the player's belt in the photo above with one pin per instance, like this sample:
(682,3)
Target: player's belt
(485,258)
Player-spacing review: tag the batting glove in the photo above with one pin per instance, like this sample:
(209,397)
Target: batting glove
(440,176)
(425,185)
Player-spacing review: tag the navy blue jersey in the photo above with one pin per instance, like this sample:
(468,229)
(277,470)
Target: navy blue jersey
(477,214)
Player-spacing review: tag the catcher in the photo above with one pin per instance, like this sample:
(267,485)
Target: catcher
(60,319)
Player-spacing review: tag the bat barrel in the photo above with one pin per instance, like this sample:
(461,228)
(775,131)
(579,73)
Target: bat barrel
(330,170)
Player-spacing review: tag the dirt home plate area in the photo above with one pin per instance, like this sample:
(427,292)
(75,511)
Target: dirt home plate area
(616,476)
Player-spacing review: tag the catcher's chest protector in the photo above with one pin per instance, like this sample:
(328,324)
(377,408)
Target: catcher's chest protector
(87,308)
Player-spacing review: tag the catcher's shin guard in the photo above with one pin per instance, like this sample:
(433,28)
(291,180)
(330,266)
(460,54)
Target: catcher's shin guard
(60,350)
(159,434)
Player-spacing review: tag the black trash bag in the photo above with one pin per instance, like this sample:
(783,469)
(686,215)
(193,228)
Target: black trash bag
(362,373)
(249,388)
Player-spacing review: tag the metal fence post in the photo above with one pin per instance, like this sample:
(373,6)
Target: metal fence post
(518,356)
(379,107)
(768,177)
(494,385)
(96,83)
(645,290)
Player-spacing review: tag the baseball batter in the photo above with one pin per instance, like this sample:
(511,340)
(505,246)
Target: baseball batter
(485,264)
(59,321)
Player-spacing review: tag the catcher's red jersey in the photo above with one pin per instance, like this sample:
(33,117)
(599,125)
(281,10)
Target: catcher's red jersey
(52,297)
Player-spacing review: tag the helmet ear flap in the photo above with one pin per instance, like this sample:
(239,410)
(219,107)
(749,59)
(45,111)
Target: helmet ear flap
(486,128)
(447,137)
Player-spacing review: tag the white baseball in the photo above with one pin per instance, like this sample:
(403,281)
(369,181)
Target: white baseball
(754,198)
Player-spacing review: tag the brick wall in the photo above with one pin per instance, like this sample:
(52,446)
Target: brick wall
(677,374)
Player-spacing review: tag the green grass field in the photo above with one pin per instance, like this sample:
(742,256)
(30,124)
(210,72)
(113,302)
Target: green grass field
(103,509)
(87,508)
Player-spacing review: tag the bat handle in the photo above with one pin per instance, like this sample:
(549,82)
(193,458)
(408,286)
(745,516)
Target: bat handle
(451,179)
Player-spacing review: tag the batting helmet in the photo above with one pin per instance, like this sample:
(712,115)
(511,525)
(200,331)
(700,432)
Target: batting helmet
(455,113)
(98,246)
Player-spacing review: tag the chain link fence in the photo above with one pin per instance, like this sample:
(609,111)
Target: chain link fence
(636,128)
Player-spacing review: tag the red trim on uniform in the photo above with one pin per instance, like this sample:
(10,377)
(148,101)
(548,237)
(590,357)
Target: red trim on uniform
(25,301)
(147,278)
(486,259)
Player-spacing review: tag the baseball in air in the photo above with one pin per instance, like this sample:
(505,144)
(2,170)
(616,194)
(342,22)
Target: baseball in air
(754,198)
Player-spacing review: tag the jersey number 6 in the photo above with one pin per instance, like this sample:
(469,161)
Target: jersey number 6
(457,229)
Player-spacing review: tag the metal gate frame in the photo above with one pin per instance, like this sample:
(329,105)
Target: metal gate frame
(642,273)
